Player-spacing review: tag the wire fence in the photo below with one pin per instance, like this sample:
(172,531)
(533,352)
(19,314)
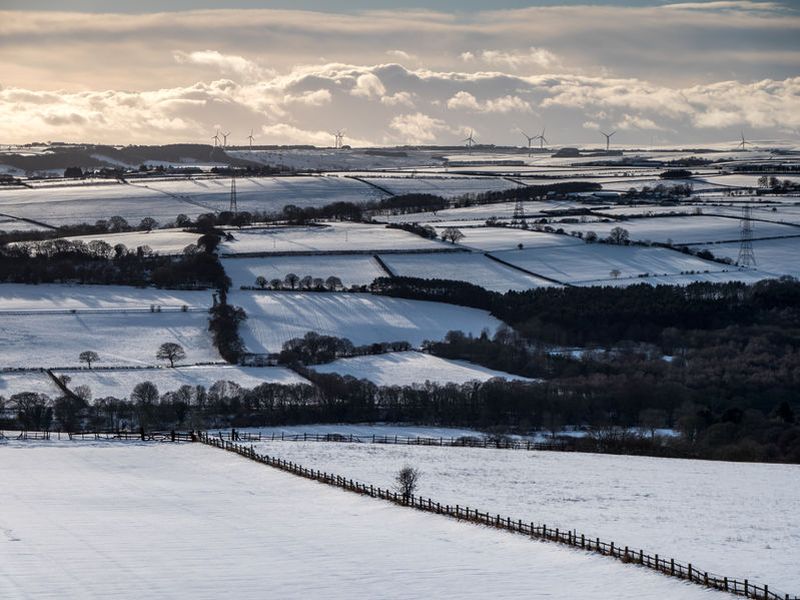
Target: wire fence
(665,566)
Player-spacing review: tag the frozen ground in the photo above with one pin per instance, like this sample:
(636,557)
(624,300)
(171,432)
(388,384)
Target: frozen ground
(56,340)
(333,237)
(479,213)
(276,317)
(585,263)
(32,381)
(715,515)
(447,187)
(359,269)
(164,199)
(409,368)
(363,429)
(506,238)
(685,230)
(120,382)
(773,257)
(187,521)
(472,267)
(64,297)
(163,241)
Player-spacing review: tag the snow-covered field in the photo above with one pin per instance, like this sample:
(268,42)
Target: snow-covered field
(409,368)
(446,187)
(31,381)
(773,257)
(333,237)
(472,267)
(56,340)
(276,317)
(506,238)
(163,241)
(501,210)
(57,297)
(186,521)
(358,269)
(715,515)
(588,262)
(685,230)
(362,429)
(165,199)
(120,382)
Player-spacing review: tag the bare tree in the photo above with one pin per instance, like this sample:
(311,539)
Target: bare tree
(261,281)
(615,273)
(619,236)
(89,357)
(406,481)
(291,280)
(170,351)
(452,235)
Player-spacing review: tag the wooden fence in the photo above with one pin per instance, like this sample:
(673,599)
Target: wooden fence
(666,566)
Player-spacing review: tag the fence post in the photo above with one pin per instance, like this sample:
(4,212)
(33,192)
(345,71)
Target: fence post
(690,571)
(583,541)
(672,566)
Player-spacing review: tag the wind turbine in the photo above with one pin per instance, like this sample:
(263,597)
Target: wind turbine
(543,140)
(743,143)
(469,140)
(608,139)
(338,138)
(251,138)
(530,140)
(216,139)
(225,139)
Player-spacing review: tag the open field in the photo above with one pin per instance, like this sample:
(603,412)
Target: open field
(472,267)
(773,257)
(276,317)
(409,368)
(584,263)
(63,297)
(686,230)
(163,241)
(33,381)
(351,269)
(332,237)
(120,382)
(131,521)
(713,514)
(446,187)
(166,198)
(506,238)
(55,340)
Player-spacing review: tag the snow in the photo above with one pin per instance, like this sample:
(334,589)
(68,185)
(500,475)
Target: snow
(351,269)
(410,368)
(166,198)
(480,212)
(360,429)
(162,241)
(446,187)
(588,262)
(471,267)
(17,297)
(686,230)
(333,237)
(30,381)
(773,257)
(506,238)
(120,338)
(276,317)
(715,515)
(120,382)
(121,520)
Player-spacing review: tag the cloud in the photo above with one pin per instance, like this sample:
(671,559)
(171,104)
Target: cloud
(516,59)
(418,128)
(399,99)
(227,64)
(402,55)
(405,105)
(465,101)
(368,85)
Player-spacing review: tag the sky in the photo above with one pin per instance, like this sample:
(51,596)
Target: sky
(426,73)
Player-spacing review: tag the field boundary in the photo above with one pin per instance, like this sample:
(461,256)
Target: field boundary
(669,567)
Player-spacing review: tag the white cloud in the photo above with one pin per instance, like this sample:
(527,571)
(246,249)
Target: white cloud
(311,98)
(465,101)
(368,85)
(227,64)
(399,99)
(519,59)
(402,55)
(638,122)
(418,128)
(591,125)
